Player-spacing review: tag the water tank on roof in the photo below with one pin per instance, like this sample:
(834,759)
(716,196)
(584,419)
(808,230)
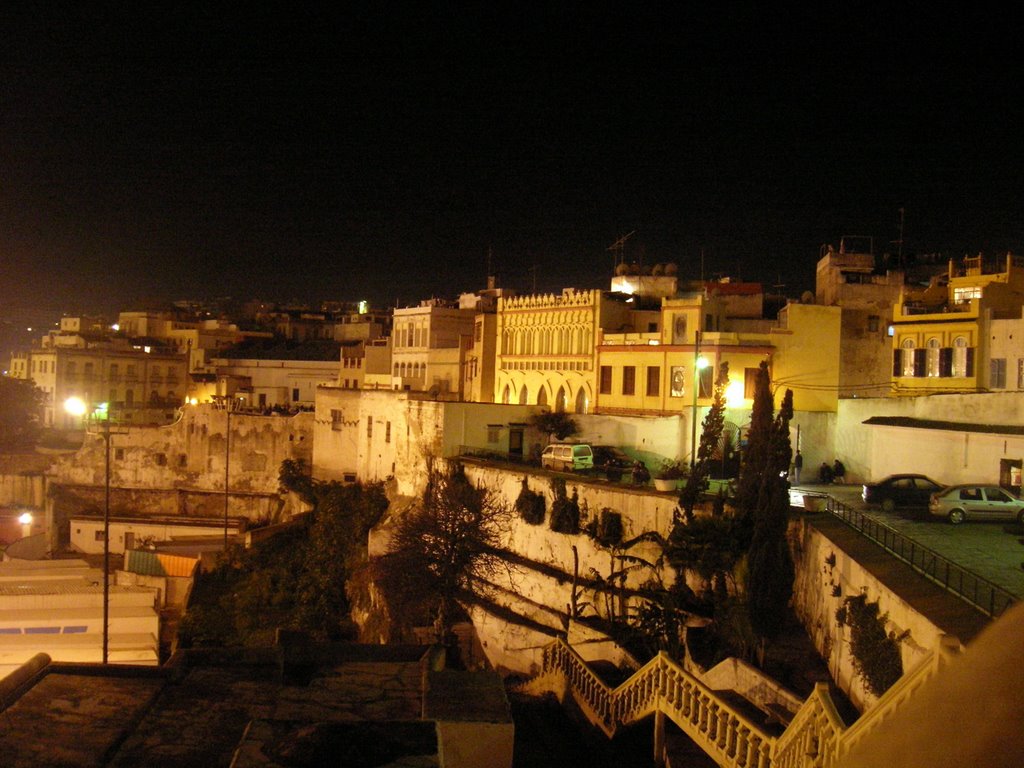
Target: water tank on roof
(671,269)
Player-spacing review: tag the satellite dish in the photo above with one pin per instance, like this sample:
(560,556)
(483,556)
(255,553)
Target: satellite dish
(807,297)
(671,269)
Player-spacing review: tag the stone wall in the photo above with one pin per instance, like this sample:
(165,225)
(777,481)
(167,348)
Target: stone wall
(179,469)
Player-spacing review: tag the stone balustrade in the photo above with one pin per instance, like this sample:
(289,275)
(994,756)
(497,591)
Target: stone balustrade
(815,738)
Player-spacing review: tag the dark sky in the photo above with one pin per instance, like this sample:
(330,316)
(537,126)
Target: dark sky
(198,154)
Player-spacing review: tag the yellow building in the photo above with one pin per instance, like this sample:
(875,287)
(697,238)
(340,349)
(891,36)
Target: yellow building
(940,336)
(547,347)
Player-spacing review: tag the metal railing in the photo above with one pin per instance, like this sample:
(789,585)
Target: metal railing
(986,596)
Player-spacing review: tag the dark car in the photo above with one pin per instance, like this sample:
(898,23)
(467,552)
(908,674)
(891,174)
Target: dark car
(611,461)
(901,491)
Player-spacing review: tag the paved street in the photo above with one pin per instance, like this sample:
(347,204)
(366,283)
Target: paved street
(994,551)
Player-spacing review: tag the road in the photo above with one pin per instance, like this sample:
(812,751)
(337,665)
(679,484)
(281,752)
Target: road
(994,551)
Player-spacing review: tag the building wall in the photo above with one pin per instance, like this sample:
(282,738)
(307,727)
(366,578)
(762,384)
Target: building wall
(1006,343)
(872,452)
(546,348)
(278,380)
(180,469)
(806,358)
(406,431)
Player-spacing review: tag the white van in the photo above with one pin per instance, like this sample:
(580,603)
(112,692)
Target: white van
(568,457)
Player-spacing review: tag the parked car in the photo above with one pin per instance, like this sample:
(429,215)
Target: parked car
(568,457)
(907,490)
(976,502)
(611,460)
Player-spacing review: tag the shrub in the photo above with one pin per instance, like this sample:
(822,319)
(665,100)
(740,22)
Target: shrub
(530,505)
(876,653)
(565,512)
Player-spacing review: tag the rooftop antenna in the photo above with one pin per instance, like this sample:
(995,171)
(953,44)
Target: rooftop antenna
(899,243)
(618,247)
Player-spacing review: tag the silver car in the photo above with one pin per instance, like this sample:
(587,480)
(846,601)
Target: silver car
(976,502)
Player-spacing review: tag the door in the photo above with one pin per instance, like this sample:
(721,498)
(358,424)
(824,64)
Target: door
(129,540)
(999,504)
(515,443)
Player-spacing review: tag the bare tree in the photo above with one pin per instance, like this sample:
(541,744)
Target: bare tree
(447,550)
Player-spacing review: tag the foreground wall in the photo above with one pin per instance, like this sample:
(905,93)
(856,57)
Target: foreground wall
(825,575)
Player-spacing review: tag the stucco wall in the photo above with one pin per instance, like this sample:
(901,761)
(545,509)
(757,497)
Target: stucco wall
(872,452)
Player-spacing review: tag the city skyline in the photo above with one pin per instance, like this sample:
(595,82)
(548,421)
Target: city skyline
(174,155)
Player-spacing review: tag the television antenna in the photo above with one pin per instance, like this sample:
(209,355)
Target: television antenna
(618,247)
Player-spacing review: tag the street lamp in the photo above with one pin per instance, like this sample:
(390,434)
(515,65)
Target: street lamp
(699,364)
(77,407)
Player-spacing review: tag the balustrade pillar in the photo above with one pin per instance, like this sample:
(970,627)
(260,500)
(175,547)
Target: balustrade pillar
(659,739)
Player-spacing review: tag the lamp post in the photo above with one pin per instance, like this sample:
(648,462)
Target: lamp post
(227,467)
(77,407)
(699,364)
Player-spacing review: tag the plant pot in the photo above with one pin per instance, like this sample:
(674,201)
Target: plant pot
(814,503)
(666,483)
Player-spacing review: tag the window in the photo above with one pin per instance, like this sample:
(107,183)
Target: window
(98,535)
(387,432)
(653,381)
(369,426)
(113,396)
(182,460)
(606,380)
(628,379)
(705,377)
(962,295)
(997,373)
(749,382)
(478,332)
(295,394)
(161,459)
(1020,373)
(963,357)
(873,323)
(337,418)
(932,357)
(907,358)
(493,433)
(119,454)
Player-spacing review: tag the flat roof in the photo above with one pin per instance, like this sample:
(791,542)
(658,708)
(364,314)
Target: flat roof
(949,426)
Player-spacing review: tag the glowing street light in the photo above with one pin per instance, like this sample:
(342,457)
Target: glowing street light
(77,407)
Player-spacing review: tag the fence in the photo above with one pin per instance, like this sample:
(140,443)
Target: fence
(989,598)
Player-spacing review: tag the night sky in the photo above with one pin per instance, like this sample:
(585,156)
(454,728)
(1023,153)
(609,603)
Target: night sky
(202,154)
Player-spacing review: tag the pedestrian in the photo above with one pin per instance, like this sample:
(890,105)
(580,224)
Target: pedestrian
(640,474)
(838,471)
(798,464)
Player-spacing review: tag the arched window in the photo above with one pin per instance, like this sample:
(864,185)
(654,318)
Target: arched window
(582,401)
(523,394)
(908,357)
(506,395)
(932,359)
(560,400)
(960,356)
(542,396)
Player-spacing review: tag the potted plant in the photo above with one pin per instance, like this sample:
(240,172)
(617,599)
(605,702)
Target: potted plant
(668,477)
